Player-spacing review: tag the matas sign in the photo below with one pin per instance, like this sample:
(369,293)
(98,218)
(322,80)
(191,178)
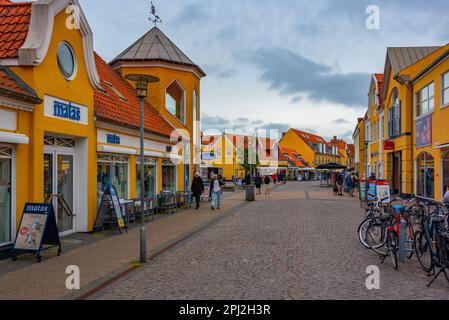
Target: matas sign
(65,110)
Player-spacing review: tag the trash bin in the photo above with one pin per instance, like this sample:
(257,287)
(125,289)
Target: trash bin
(251,193)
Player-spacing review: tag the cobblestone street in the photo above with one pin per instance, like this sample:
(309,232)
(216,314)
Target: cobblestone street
(300,244)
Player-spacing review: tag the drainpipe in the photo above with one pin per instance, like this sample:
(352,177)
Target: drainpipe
(405,80)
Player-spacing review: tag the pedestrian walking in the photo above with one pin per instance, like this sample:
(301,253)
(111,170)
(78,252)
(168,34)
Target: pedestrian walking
(258,181)
(215,192)
(340,180)
(248,179)
(351,184)
(267,182)
(197,189)
(275,178)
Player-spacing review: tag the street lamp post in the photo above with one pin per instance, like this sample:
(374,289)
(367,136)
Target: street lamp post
(142,82)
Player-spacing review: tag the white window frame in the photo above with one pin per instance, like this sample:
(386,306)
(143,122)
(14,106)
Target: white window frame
(419,101)
(13,224)
(183,101)
(444,104)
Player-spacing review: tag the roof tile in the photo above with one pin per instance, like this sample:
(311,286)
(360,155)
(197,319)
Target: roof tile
(124,109)
(14,26)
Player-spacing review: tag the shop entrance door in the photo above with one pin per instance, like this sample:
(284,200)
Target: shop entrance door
(396,173)
(58,179)
(5,195)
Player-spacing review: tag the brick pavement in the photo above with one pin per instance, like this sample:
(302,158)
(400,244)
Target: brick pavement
(104,259)
(301,244)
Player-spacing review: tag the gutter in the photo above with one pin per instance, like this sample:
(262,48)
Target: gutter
(436,62)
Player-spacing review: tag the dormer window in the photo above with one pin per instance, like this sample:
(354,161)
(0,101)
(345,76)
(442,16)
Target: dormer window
(174,101)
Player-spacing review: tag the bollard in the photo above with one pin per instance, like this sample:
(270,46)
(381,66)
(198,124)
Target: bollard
(402,240)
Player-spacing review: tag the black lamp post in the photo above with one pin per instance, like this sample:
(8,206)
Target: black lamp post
(142,82)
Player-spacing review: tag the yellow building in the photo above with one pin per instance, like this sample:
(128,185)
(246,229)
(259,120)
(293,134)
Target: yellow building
(374,130)
(219,155)
(430,90)
(359,147)
(401,65)
(69,121)
(413,142)
(314,149)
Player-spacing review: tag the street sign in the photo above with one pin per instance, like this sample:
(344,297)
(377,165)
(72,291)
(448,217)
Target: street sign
(110,200)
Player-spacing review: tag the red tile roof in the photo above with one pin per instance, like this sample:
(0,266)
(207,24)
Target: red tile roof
(380,81)
(11,85)
(310,137)
(294,157)
(14,26)
(124,109)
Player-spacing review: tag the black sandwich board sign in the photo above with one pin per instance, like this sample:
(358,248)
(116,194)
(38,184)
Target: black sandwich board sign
(110,200)
(38,231)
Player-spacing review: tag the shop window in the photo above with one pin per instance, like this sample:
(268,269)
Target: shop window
(425,184)
(112,170)
(150,170)
(66,61)
(168,176)
(5,195)
(174,101)
(425,100)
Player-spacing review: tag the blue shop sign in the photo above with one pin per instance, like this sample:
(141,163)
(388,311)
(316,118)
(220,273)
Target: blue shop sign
(112,139)
(66,111)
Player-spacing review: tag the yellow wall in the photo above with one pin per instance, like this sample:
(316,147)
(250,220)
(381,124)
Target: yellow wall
(46,79)
(291,141)
(156,96)
(440,120)
(229,165)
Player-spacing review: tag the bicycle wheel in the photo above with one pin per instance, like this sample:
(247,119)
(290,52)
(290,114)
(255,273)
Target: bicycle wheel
(410,242)
(423,251)
(393,248)
(376,238)
(361,231)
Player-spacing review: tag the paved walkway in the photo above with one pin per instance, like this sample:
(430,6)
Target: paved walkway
(300,244)
(104,259)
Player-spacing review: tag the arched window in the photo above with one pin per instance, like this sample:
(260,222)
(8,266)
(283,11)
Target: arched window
(174,101)
(394,115)
(425,182)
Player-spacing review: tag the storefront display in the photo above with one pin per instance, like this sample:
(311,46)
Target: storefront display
(5,194)
(150,173)
(425,180)
(168,176)
(112,170)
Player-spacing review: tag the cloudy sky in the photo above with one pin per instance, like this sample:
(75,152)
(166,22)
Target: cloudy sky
(277,63)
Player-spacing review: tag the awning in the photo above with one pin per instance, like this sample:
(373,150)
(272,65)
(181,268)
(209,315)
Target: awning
(120,150)
(14,138)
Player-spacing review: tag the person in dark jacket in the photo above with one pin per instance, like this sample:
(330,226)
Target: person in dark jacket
(258,181)
(248,179)
(197,188)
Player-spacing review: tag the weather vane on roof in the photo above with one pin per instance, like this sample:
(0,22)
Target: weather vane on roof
(154,18)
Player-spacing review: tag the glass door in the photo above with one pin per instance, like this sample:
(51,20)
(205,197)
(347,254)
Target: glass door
(58,179)
(5,200)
